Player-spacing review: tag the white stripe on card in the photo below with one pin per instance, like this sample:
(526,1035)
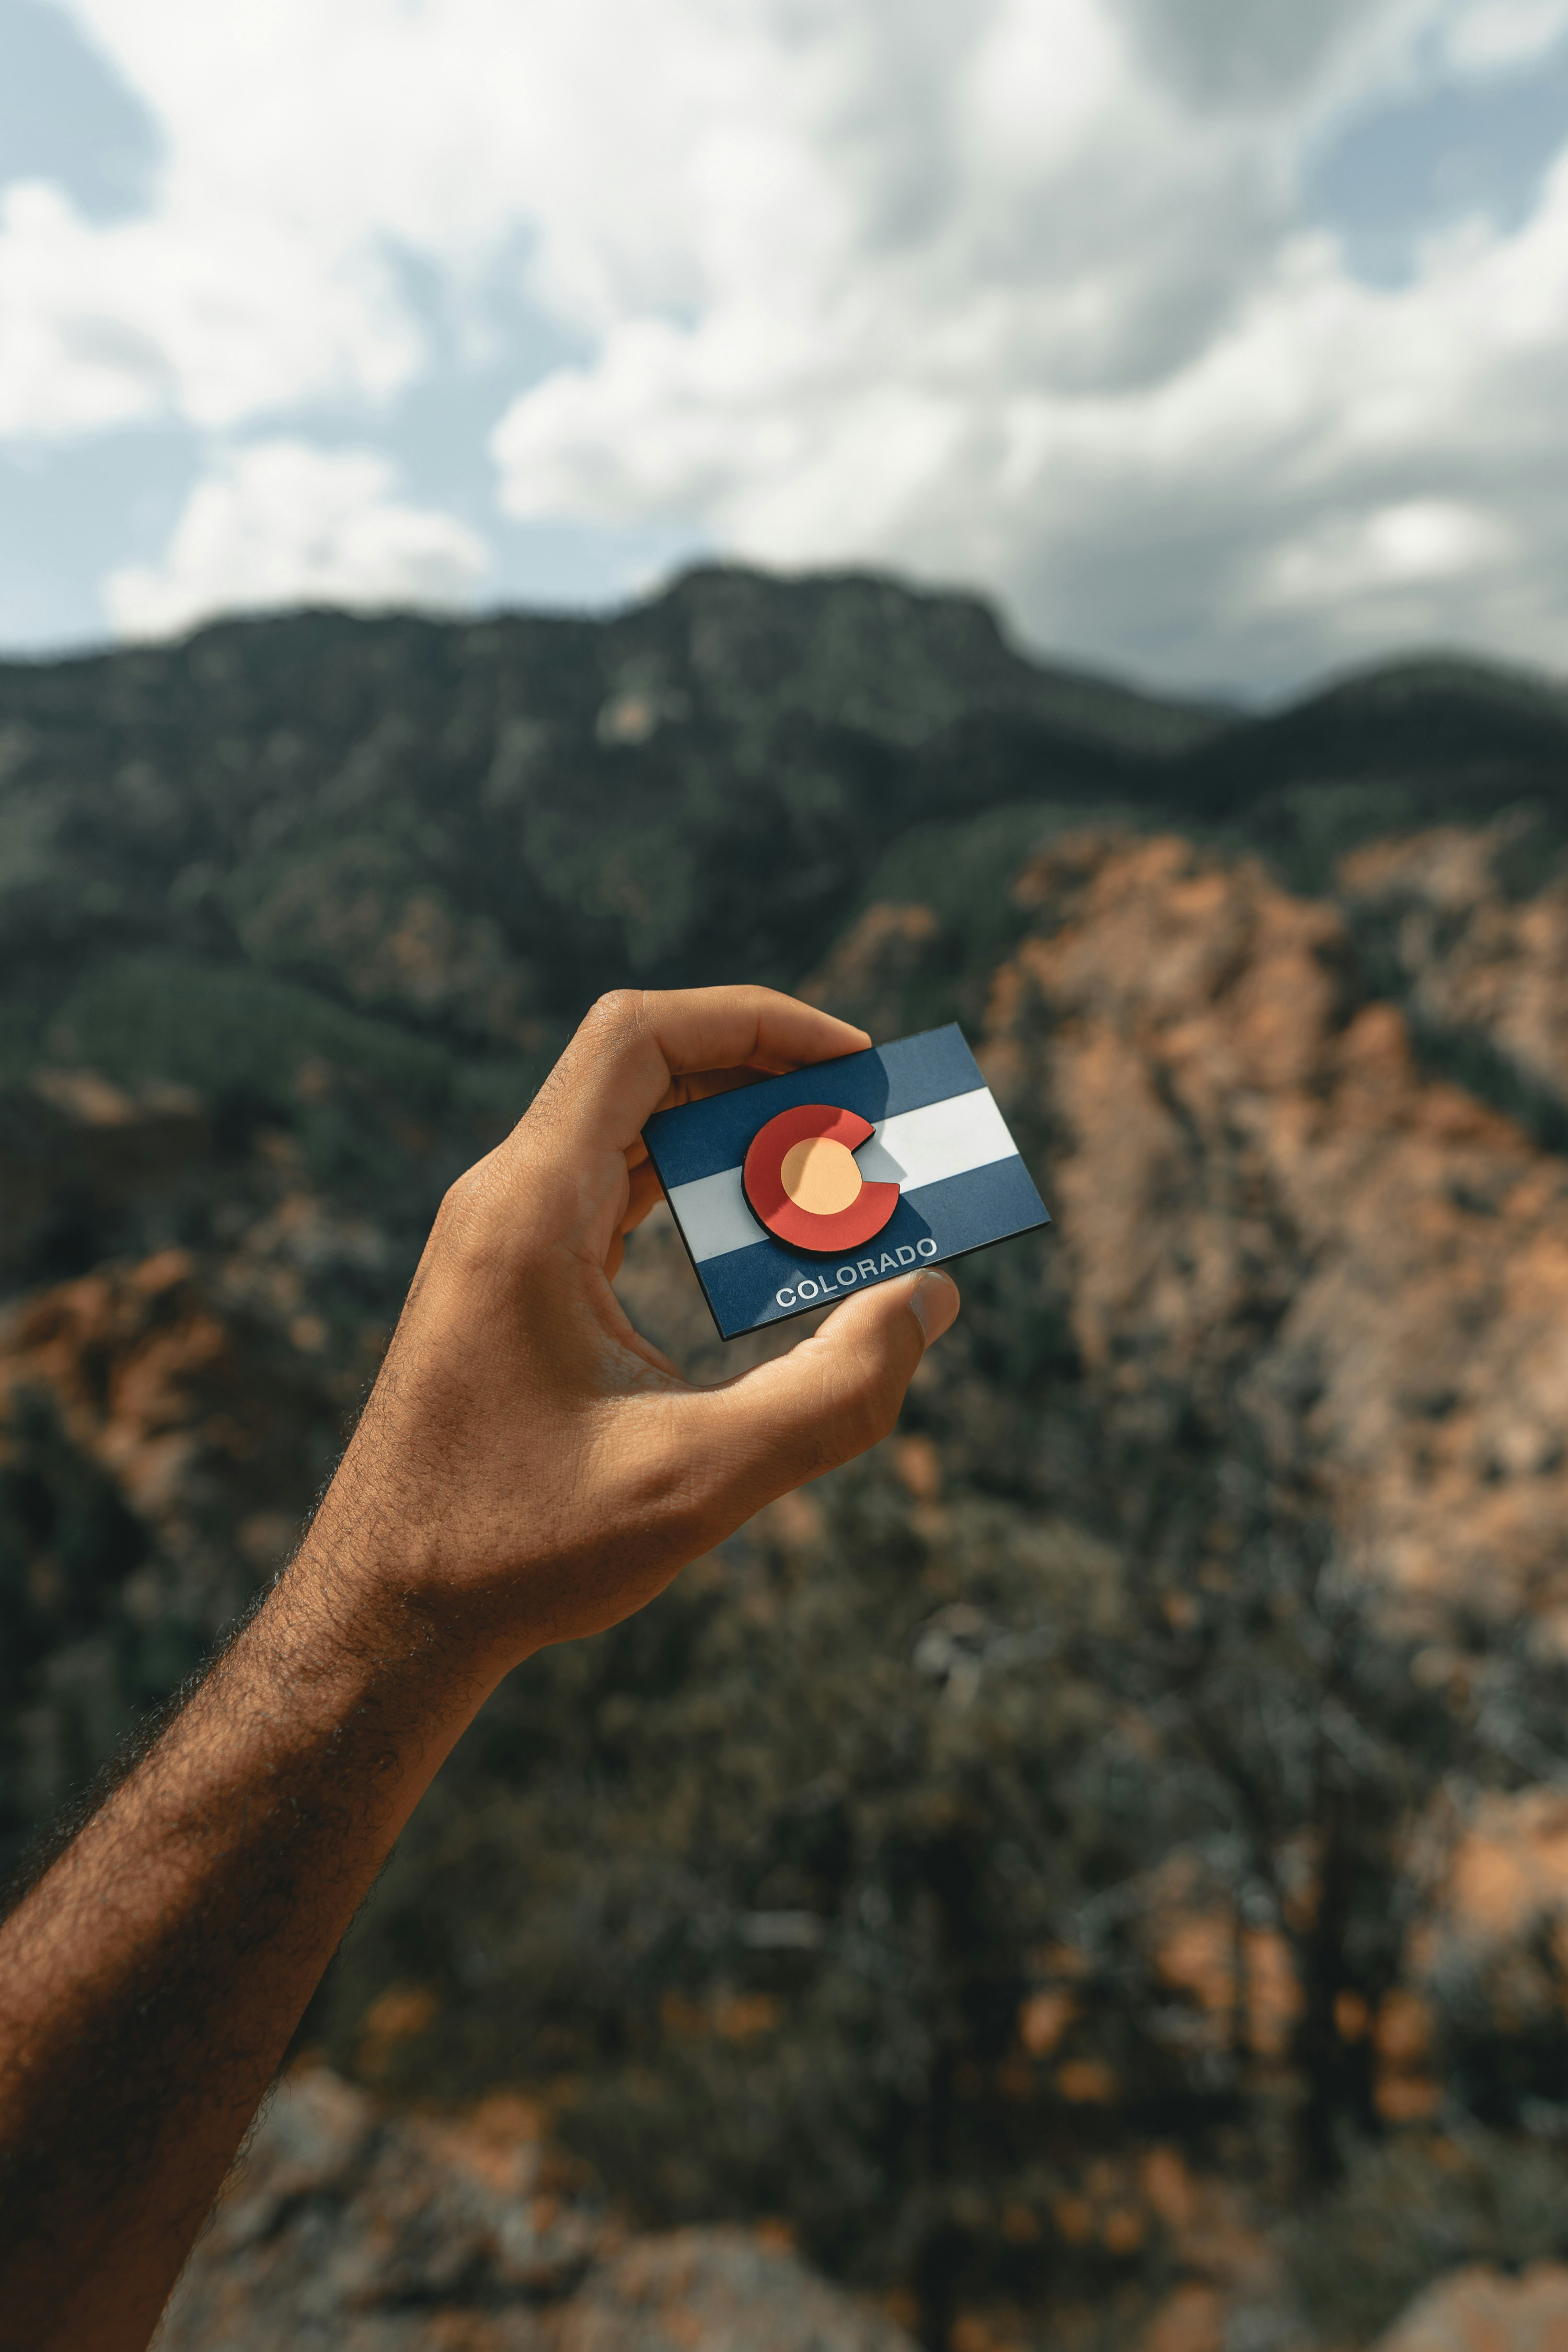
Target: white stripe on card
(713,1216)
(940,1139)
(914,1148)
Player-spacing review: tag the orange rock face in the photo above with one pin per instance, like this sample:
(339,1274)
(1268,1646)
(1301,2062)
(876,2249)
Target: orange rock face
(201,1417)
(1479,960)
(350,2225)
(1478,2310)
(1264,1209)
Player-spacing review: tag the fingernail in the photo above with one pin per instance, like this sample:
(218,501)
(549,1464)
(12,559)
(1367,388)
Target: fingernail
(936,1303)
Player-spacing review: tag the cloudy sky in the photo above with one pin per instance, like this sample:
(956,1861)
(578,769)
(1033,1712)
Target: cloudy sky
(1225,342)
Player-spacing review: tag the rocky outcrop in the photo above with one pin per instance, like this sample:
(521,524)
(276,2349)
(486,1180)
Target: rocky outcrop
(163,1432)
(202,1416)
(1476,937)
(873,964)
(349,2227)
(1265,1209)
(1480,2310)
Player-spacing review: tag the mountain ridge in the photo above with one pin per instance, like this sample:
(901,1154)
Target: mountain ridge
(454,831)
(1031,1867)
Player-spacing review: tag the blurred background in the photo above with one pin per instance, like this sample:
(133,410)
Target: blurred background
(1047,514)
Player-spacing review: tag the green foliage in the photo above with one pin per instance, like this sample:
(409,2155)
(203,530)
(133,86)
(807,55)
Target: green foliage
(964,872)
(254,1046)
(234,1033)
(78,1660)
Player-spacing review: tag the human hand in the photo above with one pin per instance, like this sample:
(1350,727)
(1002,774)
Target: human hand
(530,1469)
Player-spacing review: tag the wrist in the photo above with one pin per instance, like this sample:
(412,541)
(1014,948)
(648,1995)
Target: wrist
(359,1612)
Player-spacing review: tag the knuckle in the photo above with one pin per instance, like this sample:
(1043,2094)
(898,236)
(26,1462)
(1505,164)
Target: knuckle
(466,1229)
(620,1005)
(456,1204)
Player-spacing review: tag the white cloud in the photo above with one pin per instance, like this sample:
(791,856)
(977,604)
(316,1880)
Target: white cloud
(1496,34)
(1114,378)
(1395,548)
(1017,293)
(282,524)
(214,321)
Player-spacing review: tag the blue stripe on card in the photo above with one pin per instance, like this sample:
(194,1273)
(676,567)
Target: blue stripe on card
(700,1138)
(941,1221)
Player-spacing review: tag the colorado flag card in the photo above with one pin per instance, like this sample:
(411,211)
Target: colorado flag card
(801,1189)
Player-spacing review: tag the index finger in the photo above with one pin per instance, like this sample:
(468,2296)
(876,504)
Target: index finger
(636,1042)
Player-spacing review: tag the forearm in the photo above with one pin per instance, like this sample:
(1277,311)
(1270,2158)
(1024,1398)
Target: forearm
(150,1982)
(529,1469)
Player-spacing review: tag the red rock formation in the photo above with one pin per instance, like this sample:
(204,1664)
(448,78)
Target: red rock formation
(351,2227)
(1478,2310)
(208,1422)
(1263,1207)
(1479,960)
(873,964)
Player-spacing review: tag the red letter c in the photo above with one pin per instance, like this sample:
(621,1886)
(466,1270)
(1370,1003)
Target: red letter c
(800,1177)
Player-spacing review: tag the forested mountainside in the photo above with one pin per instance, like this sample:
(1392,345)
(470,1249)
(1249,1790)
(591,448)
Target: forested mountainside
(401,839)
(1092,1871)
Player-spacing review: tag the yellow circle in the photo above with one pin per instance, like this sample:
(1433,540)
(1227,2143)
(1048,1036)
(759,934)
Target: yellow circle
(820,1176)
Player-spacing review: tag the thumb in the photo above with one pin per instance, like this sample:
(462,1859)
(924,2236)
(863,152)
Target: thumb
(825,1401)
